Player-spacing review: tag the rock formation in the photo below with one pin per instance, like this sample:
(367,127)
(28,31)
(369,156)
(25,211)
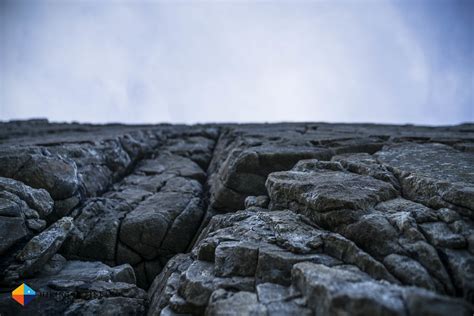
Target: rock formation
(226,219)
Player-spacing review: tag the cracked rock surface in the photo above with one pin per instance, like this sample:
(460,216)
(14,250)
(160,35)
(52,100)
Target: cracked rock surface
(225,219)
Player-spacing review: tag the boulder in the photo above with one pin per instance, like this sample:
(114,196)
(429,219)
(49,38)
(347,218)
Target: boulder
(40,249)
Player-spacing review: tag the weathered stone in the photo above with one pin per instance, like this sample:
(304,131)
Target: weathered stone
(447,215)
(64,207)
(244,171)
(418,211)
(281,300)
(172,164)
(240,303)
(197,283)
(333,292)
(275,265)
(394,221)
(365,164)
(432,173)
(257,201)
(346,251)
(36,225)
(183,228)
(37,199)
(428,257)
(54,265)
(235,283)
(409,271)
(166,283)
(96,230)
(426,303)
(88,271)
(180,306)
(362,232)
(461,265)
(126,255)
(11,205)
(107,306)
(440,235)
(145,228)
(270,292)
(326,190)
(149,184)
(13,230)
(42,247)
(55,174)
(374,213)
(237,259)
(74,285)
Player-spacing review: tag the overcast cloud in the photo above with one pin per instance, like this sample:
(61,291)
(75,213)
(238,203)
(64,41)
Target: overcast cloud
(192,61)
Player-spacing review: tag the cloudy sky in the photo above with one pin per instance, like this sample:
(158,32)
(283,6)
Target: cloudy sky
(238,61)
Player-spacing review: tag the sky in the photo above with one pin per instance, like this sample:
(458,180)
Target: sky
(238,61)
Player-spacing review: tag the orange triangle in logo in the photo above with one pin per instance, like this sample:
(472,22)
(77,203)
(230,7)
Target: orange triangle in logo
(19,298)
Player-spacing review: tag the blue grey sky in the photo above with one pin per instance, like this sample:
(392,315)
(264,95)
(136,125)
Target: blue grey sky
(238,61)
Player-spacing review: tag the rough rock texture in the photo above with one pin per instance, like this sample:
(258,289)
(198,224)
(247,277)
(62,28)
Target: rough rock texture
(262,219)
(39,250)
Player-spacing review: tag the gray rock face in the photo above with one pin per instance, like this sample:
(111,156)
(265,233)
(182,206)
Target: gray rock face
(434,174)
(22,211)
(408,235)
(257,219)
(15,226)
(331,291)
(82,288)
(244,172)
(41,169)
(40,249)
(326,190)
(278,262)
(147,217)
(38,200)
